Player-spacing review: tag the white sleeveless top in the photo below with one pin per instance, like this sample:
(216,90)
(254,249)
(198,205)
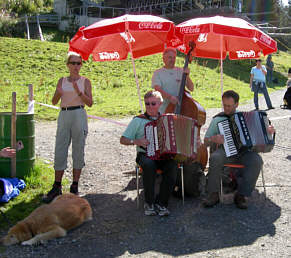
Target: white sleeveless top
(70,97)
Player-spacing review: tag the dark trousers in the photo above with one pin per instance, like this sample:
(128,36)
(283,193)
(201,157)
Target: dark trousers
(260,87)
(149,174)
(247,176)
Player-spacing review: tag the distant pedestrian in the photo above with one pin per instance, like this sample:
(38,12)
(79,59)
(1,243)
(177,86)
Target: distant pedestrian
(258,84)
(288,83)
(270,68)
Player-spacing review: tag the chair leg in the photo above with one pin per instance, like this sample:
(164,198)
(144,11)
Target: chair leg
(137,185)
(182,180)
(263,181)
(221,191)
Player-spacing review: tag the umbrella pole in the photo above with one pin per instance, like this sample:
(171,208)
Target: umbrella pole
(221,75)
(133,65)
(136,81)
(221,69)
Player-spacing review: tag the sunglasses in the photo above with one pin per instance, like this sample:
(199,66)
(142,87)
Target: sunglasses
(75,63)
(150,103)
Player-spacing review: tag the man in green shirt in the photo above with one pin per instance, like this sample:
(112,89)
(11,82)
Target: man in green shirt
(251,160)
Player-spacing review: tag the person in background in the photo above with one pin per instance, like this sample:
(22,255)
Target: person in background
(167,80)
(270,68)
(288,83)
(8,153)
(258,84)
(135,135)
(74,91)
(251,160)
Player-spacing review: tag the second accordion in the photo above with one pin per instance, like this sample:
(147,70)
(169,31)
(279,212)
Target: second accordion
(251,134)
(172,136)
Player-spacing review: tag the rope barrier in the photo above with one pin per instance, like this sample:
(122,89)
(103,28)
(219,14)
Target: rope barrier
(89,116)
(31,104)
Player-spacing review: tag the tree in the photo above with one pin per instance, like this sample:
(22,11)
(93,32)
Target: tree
(19,7)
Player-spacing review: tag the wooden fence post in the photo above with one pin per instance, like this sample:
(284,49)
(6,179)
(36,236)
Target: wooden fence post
(13,134)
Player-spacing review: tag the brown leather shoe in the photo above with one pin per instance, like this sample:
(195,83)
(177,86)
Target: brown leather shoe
(240,201)
(211,200)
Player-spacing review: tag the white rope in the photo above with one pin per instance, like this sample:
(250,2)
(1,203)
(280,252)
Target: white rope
(89,116)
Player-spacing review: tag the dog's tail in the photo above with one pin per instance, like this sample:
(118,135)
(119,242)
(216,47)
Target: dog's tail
(86,211)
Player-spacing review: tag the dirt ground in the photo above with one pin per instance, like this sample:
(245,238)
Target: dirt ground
(119,229)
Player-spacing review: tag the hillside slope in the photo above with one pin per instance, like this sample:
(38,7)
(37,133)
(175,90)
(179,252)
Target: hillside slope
(24,62)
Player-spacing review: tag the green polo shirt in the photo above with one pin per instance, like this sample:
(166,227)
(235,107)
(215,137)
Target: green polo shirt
(135,130)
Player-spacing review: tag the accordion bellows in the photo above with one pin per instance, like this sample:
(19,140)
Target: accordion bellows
(172,136)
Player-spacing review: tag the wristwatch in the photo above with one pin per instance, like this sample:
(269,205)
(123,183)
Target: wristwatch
(131,142)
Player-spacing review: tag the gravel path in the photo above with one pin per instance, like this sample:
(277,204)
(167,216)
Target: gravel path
(120,229)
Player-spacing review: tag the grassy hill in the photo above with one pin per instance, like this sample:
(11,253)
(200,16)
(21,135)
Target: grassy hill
(24,62)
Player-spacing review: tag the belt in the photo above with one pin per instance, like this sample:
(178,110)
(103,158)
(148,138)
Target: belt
(72,108)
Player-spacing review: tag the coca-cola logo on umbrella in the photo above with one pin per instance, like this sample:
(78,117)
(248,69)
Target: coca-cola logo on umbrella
(189,30)
(150,25)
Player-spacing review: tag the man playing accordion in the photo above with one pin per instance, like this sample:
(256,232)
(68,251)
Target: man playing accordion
(250,159)
(135,135)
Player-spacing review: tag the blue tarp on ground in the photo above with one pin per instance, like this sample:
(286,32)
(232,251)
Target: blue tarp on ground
(10,188)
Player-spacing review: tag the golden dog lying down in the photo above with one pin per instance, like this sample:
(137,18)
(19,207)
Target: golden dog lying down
(50,221)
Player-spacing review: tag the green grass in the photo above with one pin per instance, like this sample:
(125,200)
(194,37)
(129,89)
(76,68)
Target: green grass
(38,182)
(24,62)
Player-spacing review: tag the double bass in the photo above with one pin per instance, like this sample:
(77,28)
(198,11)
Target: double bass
(187,106)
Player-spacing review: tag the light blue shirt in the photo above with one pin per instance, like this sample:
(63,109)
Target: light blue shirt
(258,74)
(213,127)
(135,130)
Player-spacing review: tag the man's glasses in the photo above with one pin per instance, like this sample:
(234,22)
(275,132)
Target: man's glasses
(75,63)
(150,103)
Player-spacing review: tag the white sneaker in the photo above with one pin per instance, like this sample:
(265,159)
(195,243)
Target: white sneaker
(162,210)
(149,210)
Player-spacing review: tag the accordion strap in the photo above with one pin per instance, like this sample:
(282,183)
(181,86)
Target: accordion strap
(146,116)
(221,114)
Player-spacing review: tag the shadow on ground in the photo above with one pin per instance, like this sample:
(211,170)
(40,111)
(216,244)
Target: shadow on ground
(120,228)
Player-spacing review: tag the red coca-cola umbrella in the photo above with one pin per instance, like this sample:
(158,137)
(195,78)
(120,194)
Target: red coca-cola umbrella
(112,39)
(218,36)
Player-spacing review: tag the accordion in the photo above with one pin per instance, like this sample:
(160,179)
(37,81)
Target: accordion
(252,129)
(172,136)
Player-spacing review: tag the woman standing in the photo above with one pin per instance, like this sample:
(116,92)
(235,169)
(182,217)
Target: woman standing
(74,92)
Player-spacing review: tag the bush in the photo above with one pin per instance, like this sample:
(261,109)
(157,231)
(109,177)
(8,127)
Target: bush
(11,27)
